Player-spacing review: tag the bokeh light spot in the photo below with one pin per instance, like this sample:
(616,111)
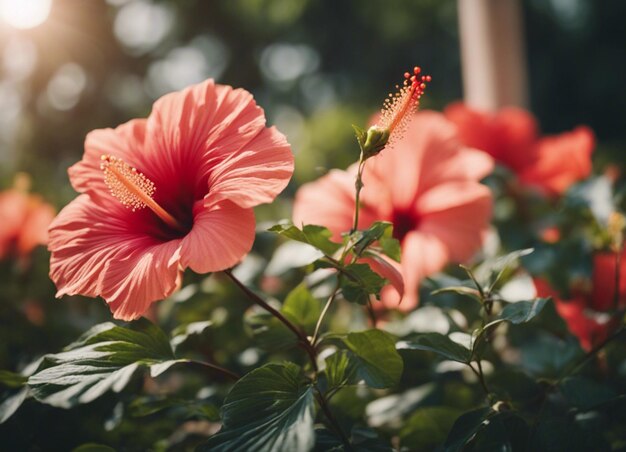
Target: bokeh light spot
(25,13)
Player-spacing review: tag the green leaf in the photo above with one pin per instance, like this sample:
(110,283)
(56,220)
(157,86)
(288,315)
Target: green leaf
(302,308)
(317,236)
(461,290)
(341,369)
(93,447)
(391,248)
(440,344)
(271,408)
(268,332)
(464,428)
(105,358)
(181,334)
(522,311)
(515,386)
(361,282)
(428,427)
(11,403)
(505,432)
(376,359)
(586,394)
(12,380)
(361,135)
(184,409)
(372,234)
(491,271)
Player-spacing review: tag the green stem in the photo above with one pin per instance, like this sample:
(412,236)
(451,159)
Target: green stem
(358,185)
(325,310)
(481,377)
(304,341)
(593,352)
(333,422)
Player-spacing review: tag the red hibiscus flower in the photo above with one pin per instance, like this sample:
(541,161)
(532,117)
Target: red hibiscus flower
(161,194)
(24,221)
(587,313)
(550,164)
(427,184)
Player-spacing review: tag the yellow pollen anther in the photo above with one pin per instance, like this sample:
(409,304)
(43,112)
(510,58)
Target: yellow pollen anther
(133,189)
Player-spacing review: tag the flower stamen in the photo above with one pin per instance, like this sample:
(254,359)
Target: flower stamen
(398,107)
(133,189)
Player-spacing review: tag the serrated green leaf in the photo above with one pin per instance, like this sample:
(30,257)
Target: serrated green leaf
(341,369)
(302,308)
(317,236)
(464,428)
(360,283)
(105,358)
(438,343)
(271,408)
(377,361)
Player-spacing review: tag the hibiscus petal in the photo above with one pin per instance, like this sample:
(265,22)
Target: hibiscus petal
(124,142)
(140,275)
(562,160)
(221,236)
(193,130)
(94,254)
(254,176)
(461,227)
(453,194)
(423,255)
(35,229)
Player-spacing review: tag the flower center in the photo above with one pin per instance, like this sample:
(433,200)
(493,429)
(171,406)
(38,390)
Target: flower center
(404,221)
(133,189)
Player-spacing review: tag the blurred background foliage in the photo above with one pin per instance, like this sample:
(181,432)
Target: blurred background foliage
(315,67)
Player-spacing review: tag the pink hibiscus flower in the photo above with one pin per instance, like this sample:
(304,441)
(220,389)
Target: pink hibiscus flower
(24,221)
(161,194)
(550,164)
(427,184)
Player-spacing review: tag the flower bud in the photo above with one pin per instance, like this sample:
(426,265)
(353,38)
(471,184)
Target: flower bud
(375,141)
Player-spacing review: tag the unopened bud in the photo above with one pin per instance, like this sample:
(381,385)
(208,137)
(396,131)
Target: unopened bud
(375,141)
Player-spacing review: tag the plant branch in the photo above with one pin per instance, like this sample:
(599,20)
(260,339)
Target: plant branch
(304,341)
(218,369)
(325,310)
(481,376)
(358,185)
(593,352)
(333,422)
